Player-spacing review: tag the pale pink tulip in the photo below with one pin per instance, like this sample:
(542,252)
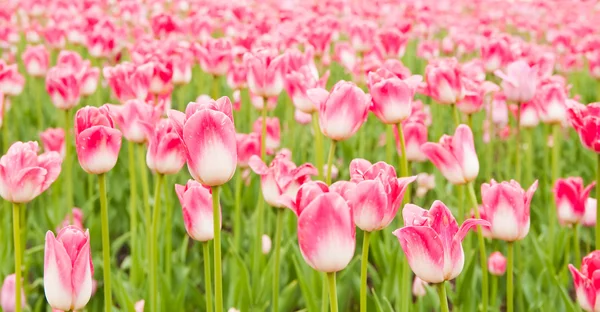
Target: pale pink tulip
(392,97)
(132,118)
(497,264)
(196,204)
(519,82)
(97,141)
(273,137)
(215,56)
(53,140)
(7,294)
(444,81)
(265,72)
(11,81)
(36,60)
(63,84)
(247,146)
(166,154)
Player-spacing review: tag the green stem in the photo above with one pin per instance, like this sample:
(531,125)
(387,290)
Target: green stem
(153,243)
(528,156)
(482,252)
(215,88)
(68,165)
(263,132)
(237,220)
(494,291)
(39,84)
(460,189)
(491,143)
(333,303)
(278,231)
(405,290)
(23,220)
(403,161)
(18,254)
(597,202)
(207,276)
(169,233)
(443,299)
(330,161)
(455,115)
(576,245)
(5,135)
(318,144)
(518,144)
(509,278)
(555,165)
(145,195)
(364,263)
(133,217)
(105,243)
(217,250)
(324,293)
(470,120)
(389,144)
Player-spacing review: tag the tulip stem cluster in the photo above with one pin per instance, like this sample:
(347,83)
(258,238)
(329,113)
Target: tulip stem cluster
(364,263)
(153,243)
(278,234)
(509,278)
(105,242)
(207,275)
(217,249)
(443,298)
(18,254)
(482,252)
(598,202)
(330,161)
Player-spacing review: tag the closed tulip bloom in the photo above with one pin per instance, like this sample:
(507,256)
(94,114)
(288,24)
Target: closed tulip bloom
(7,294)
(247,146)
(273,139)
(589,217)
(444,81)
(265,72)
(53,140)
(196,204)
(208,134)
(129,81)
(182,68)
(378,194)
(281,177)
(24,174)
(570,196)
(454,156)
(392,42)
(551,101)
(166,154)
(392,97)
(215,56)
(68,269)
(63,85)
(415,135)
(586,282)
(131,116)
(97,141)
(341,111)
(529,115)
(259,102)
(162,74)
(306,194)
(302,117)
(506,207)
(418,287)
(497,264)
(586,121)
(11,81)
(36,60)
(266,244)
(519,82)
(495,53)
(77,221)
(432,241)
(326,233)
(89,81)
(236,76)
(298,82)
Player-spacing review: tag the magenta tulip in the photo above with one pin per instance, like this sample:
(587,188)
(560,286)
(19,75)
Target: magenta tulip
(570,196)
(586,282)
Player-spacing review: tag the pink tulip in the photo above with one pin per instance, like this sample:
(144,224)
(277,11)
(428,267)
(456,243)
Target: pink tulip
(247,146)
(68,269)
(7,294)
(418,287)
(499,109)
(506,207)
(265,72)
(196,204)
(519,82)
(273,139)
(551,102)
(392,97)
(162,74)
(97,141)
(529,115)
(36,60)
(444,81)
(282,177)
(215,56)
(392,42)
(163,24)
(341,112)
(89,81)
(129,81)
(266,244)
(208,134)
(298,82)
(415,135)
(497,264)
(425,182)
(432,241)
(320,38)
(63,84)
(326,233)
(495,53)
(166,154)
(454,156)
(428,49)
(570,196)
(53,140)
(476,94)
(589,217)
(586,121)
(132,116)
(77,221)
(11,81)
(378,194)
(362,34)
(302,117)
(139,306)
(236,76)
(259,102)
(585,281)
(24,174)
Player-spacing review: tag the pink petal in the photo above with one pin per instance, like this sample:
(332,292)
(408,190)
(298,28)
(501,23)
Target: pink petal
(424,251)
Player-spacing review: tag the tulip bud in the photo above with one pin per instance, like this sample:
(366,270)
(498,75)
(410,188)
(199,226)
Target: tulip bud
(570,196)
(497,264)
(215,56)
(266,244)
(583,280)
(444,81)
(418,288)
(97,141)
(589,217)
(196,204)
(139,306)
(519,82)
(265,72)
(7,294)
(36,60)
(11,81)
(166,153)
(273,139)
(392,96)
(63,85)
(53,140)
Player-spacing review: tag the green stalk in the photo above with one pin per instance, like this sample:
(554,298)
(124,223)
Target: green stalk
(576,245)
(169,233)
(68,165)
(105,243)
(403,162)
(23,220)
(153,243)
(509,278)
(145,195)
(494,292)
(133,217)
(38,102)
(215,89)
(318,144)
(263,132)
(529,156)
(389,144)
(597,202)
(260,207)
(330,161)
(518,144)
(278,231)
(207,276)
(217,250)
(333,303)
(405,290)
(364,263)
(555,172)
(237,219)
(491,146)
(455,115)
(18,255)
(443,299)
(482,252)
(5,135)
(460,189)
(324,292)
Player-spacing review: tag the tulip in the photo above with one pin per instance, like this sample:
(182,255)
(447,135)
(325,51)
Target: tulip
(63,85)
(96,140)
(495,53)
(583,280)
(68,269)
(89,81)
(11,81)
(589,217)
(266,244)
(586,120)
(162,74)
(454,156)
(273,137)
(247,146)
(551,102)
(392,42)
(129,81)
(418,288)
(166,154)
(215,56)
(265,72)
(519,82)
(529,115)
(362,34)
(182,68)
(444,81)
(7,294)
(36,60)
(392,97)
(298,82)
(139,306)
(77,221)
(425,182)
(134,117)
(196,204)
(570,196)
(236,76)
(302,117)
(497,264)
(415,135)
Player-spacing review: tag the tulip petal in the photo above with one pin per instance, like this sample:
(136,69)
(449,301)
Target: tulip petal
(368,203)
(257,165)
(446,163)
(82,277)
(29,183)
(463,148)
(57,274)
(443,223)
(585,292)
(424,251)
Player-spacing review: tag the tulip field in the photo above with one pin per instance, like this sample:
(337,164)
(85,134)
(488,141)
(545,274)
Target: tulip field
(287,155)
